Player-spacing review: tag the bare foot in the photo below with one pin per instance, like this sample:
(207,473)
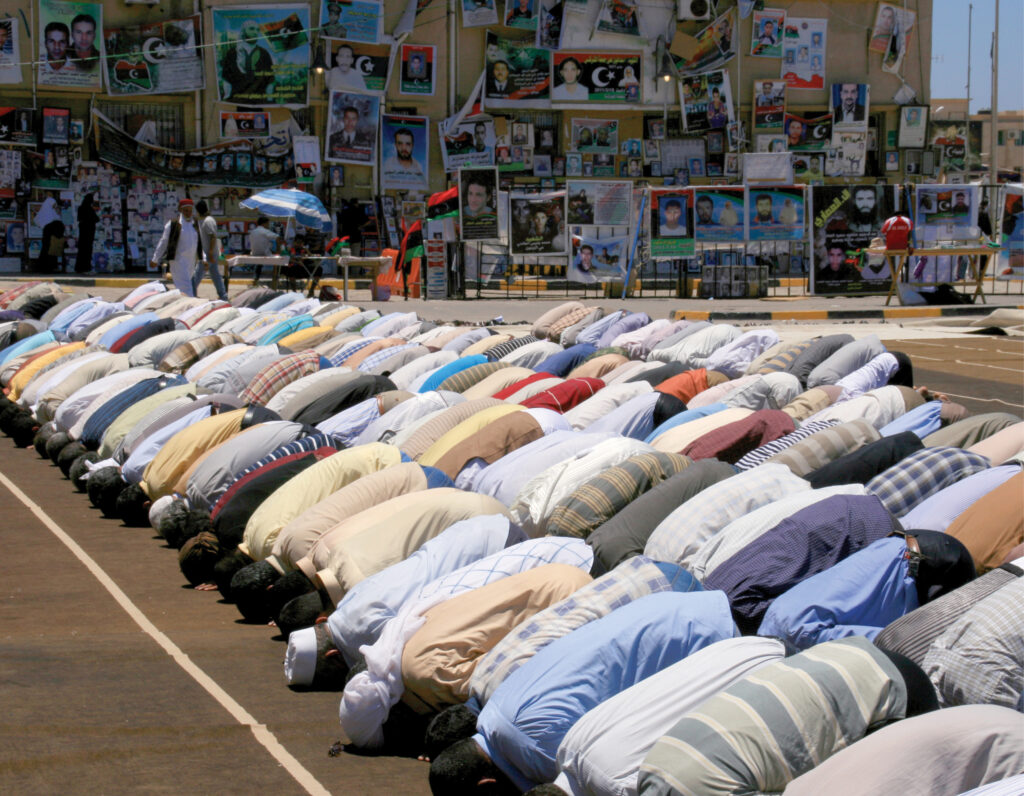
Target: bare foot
(206,587)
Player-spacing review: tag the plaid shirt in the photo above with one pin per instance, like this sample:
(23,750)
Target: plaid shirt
(380,357)
(258,326)
(683,531)
(278,374)
(567,321)
(978,659)
(600,499)
(921,474)
(765,452)
(347,350)
(188,353)
(634,578)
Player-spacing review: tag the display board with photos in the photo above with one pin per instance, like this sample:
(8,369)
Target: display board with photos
(599,202)
(155,57)
(537,223)
(595,259)
(671,222)
(719,214)
(845,220)
(589,77)
(478,203)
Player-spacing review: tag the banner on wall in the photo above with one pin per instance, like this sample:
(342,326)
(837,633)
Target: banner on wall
(845,218)
(69,54)
(478,203)
(599,202)
(517,74)
(352,128)
(10,52)
(262,54)
(946,212)
(804,133)
(244,124)
(706,101)
(358,67)
(158,58)
(949,136)
(537,223)
(719,214)
(775,213)
(769,104)
(595,77)
(353,20)
(598,259)
(468,143)
(595,135)
(239,162)
(803,52)
(766,33)
(17,126)
(418,61)
(405,147)
(671,222)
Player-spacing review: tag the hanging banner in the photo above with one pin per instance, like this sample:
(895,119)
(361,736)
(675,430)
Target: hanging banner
(769,104)
(706,101)
(596,77)
(803,52)
(230,163)
(845,219)
(537,223)
(68,55)
(262,54)
(476,13)
(719,214)
(470,143)
(158,58)
(766,33)
(1011,233)
(478,197)
(805,133)
(352,128)
(418,62)
(598,259)
(671,222)
(714,47)
(10,52)
(775,213)
(353,20)
(405,144)
(358,67)
(518,75)
(899,42)
(599,202)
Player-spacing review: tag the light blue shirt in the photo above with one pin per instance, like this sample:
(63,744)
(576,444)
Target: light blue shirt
(406,413)
(115,333)
(146,450)
(279,303)
(922,420)
(96,312)
(26,346)
(389,324)
(285,328)
(349,423)
(63,319)
(526,718)
(445,371)
(685,417)
(367,606)
(633,419)
(593,333)
(857,597)
(936,513)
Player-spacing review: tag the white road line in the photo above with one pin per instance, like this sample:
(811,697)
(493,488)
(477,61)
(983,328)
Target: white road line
(983,400)
(260,732)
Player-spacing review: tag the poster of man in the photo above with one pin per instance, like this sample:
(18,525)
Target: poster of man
(769,104)
(418,69)
(478,201)
(598,259)
(850,106)
(262,54)
(404,152)
(595,135)
(945,212)
(470,143)
(519,14)
(358,67)
(69,56)
(595,77)
(719,214)
(766,33)
(776,213)
(715,46)
(352,20)
(899,41)
(707,101)
(619,16)
(537,223)
(352,128)
(55,125)
(808,133)
(1010,233)
(913,126)
(844,219)
(10,52)
(804,42)
(549,24)
(476,13)
(155,58)
(517,74)
(884,27)
(671,222)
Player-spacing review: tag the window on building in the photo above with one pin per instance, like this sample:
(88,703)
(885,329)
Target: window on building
(169,119)
(1001,137)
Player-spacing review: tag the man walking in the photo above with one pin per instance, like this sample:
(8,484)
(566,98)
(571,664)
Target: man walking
(180,244)
(210,244)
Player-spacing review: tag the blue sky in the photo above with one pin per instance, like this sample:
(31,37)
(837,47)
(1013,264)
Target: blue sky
(949,52)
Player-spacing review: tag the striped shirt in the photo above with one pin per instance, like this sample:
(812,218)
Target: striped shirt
(980,657)
(784,359)
(765,452)
(922,474)
(683,531)
(632,579)
(823,446)
(761,733)
(504,349)
(347,350)
(188,353)
(464,379)
(601,498)
(278,375)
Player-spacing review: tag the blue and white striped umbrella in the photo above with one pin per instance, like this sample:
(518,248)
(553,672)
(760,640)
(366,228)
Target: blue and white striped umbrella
(286,202)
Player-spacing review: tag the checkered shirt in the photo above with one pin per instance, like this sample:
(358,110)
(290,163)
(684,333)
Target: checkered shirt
(922,474)
(279,374)
(379,357)
(347,350)
(188,353)
(765,452)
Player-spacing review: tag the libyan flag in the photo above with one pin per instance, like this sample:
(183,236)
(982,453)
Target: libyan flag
(412,245)
(443,205)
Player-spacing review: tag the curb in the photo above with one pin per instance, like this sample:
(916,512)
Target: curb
(886,313)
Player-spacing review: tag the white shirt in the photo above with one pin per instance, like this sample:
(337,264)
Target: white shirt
(604,401)
(694,349)
(188,241)
(877,407)
(602,753)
